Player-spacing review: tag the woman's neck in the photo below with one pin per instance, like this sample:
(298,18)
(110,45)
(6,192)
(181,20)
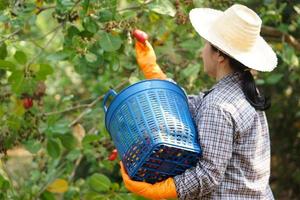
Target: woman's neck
(223,71)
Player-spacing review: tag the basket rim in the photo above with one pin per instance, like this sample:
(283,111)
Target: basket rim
(112,107)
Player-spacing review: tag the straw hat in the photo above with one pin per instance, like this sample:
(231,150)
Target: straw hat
(236,32)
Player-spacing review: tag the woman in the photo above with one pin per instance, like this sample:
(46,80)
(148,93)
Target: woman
(230,119)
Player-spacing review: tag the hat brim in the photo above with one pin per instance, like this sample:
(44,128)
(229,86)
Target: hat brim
(260,57)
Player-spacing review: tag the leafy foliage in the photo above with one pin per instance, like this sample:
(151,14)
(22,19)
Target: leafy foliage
(65,54)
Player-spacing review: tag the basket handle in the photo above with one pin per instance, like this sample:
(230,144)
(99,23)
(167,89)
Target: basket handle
(111,92)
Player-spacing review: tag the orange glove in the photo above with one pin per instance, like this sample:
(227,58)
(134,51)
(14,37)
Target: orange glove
(161,190)
(146,59)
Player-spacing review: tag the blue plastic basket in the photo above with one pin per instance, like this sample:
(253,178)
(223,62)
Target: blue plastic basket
(152,129)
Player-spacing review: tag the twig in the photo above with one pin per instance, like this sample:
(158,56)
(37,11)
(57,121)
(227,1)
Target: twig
(60,170)
(89,106)
(66,110)
(129,8)
(9,175)
(76,3)
(42,50)
(75,168)
(41,9)
(36,44)
(274,34)
(43,36)
(10,35)
(135,7)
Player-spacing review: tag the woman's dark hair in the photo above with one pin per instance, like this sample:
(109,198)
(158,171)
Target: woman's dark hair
(257,100)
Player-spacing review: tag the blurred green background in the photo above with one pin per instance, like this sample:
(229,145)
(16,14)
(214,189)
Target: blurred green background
(59,57)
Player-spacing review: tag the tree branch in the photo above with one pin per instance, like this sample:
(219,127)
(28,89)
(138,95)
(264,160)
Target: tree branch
(89,106)
(41,9)
(135,7)
(45,47)
(59,171)
(10,35)
(77,162)
(275,35)
(66,110)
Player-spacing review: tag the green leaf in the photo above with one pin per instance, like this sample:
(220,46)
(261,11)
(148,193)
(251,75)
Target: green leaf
(4,18)
(47,196)
(68,141)
(297,9)
(20,84)
(164,7)
(90,138)
(133,79)
(72,31)
(90,25)
(44,71)
(190,45)
(274,78)
(105,16)
(4,4)
(128,14)
(53,148)
(90,57)
(73,155)
(29,85)
(4,184)
(20,57)
(7,65)
(115,186)
(19,109)
(99,182)
(3,51)
(59,55)
(32,146)
(114,61)
(119,196)
(2,110)
(65,4)
(260,81)
(91,195)
(17,80)
(190,70)
(59,128)
(289,56)
(80,64)
(294,60)
(109,42)
(13,123)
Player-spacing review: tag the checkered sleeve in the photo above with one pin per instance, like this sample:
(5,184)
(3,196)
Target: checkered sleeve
(194,102)
(215,129)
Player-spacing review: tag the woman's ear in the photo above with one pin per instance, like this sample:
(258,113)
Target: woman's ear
(221,58)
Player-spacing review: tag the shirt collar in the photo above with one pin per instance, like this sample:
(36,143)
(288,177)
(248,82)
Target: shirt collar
(233,77)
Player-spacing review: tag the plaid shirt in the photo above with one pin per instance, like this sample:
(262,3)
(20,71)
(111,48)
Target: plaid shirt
(234,138)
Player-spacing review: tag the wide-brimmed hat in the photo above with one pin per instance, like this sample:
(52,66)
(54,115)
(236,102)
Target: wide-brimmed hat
(236,32)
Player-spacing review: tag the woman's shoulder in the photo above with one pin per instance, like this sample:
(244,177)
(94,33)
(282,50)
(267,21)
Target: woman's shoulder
(225,94)
(232,101)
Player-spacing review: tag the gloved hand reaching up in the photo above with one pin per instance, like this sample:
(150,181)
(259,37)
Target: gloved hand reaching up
(161,190)
(146,57)
(146,60)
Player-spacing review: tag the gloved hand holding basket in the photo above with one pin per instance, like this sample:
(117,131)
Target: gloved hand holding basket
(151,126)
